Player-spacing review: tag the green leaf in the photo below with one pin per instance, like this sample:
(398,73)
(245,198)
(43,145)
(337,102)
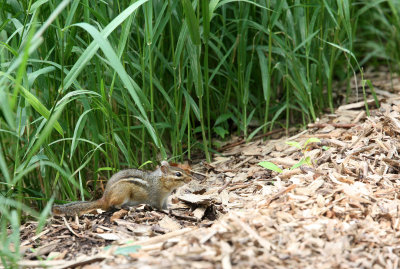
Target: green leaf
(32,76)
(192,22)
(32,100)
(122,148)
(144,164)
(372,92)
(130,84)
(270,166)
(222,118)
(245,1)
(193,105)
(126,250)
(300,163)
(5,107)
(311,140)
(37,4)
(265,78)
(78,131)
(220,131)
(40,108)
(46,131)
(253,133)
(307,160)
(94,45)
(44,214)
(294,144)
(3,166)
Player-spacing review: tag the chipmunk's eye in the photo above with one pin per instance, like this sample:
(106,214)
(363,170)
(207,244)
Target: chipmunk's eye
(178,174)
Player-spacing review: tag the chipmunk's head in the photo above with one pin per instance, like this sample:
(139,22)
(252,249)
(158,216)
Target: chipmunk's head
(174,175)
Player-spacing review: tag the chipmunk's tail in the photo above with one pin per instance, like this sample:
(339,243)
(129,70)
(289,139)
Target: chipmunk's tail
(78,208)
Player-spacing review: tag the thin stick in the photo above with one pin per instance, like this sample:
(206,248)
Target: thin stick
(69,227)
(278,195)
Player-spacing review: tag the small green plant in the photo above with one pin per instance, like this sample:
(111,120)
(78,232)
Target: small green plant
(305,160)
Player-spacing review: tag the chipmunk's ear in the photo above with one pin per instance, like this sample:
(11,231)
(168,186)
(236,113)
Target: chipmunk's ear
(164,166)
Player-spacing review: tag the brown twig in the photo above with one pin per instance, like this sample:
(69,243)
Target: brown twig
(279,194)
(240,186)
(224,186)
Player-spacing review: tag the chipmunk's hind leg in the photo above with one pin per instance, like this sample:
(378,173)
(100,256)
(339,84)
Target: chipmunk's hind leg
(122,198)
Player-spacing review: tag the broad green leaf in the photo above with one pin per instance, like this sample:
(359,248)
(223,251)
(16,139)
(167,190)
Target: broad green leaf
(220,131)
(222,118)
(270,166)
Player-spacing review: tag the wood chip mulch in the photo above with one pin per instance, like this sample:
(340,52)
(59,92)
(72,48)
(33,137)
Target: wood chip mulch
(341,212)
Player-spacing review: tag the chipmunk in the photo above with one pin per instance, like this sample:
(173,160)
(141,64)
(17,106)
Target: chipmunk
(131,187)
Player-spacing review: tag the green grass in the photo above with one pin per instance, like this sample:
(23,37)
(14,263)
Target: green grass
(90,87)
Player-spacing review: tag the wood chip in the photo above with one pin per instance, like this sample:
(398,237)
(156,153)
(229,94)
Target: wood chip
(169,224)
(196,199)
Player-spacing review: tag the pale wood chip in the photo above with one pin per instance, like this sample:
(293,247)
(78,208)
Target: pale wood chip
(197,199)
(311,188)
(199,212)
(290,173)
(169,224)
(109,236)
(267,245)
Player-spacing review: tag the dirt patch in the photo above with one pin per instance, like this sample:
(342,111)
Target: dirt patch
(342,211)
